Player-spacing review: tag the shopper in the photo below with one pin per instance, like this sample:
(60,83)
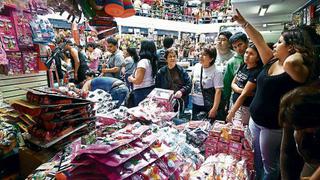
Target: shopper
(144,74)
(207,85)
(93,57)
(78,61)
(285,68)
(239,43)
(174,77)
(130,63)
(224,49)
(113,66)
(244,85)
(115,87)
(167,43)
(299,110)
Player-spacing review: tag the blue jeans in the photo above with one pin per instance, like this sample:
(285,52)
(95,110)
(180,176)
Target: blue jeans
(266,145)
(141,94)
(119,93)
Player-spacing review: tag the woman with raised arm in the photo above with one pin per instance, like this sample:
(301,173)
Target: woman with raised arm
(286,67)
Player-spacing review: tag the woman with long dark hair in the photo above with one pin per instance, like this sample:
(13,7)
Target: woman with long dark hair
(244,85)
(287,66)
(143,78)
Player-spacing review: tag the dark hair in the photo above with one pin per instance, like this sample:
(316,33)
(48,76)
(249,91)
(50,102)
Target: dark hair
(69,42)
(303,39)
(113,41)
(91,45)
(59,40)
(148,50)
(270,45)
(212,53)
(170,50)
(259,63)
(300,108)
(227,34)
(133,53)
(167,42)
(238,36)
(90,73)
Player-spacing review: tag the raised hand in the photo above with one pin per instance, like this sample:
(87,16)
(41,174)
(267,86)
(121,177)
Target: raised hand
(239,18)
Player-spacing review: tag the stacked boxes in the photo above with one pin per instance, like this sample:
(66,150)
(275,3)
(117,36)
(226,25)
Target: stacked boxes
(229,139)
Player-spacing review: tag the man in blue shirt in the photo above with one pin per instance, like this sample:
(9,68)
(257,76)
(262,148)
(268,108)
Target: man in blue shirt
(115,87)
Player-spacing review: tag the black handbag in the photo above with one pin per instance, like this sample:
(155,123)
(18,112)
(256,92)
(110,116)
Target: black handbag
(208,99)
(208,94)
(130,101)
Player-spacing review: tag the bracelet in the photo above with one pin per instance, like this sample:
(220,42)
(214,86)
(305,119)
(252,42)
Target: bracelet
(245,25)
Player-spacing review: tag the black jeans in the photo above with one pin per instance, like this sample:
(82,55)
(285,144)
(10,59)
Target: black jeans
(200,112)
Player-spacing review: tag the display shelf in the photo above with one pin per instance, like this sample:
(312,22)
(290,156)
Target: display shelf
(51,143)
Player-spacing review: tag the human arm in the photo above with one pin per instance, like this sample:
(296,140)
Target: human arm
(87,86)
(294,66)
(118,63)
(235,87)
(75,56)
(186,88)
(217,98)
(255,36)
(316,174)
(139,76)
(247,91)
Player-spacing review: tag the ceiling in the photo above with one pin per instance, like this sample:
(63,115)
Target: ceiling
(278,13)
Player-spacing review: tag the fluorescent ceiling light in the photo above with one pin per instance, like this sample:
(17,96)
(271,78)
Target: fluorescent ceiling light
(263,9)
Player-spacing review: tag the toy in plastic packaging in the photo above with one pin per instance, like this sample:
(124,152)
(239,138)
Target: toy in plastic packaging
(42,30)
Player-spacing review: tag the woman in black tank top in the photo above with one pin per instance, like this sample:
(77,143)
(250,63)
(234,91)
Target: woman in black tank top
(78,61)
(287,66)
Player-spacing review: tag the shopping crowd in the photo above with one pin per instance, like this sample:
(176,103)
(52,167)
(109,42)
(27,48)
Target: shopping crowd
(234,79)
(197,15)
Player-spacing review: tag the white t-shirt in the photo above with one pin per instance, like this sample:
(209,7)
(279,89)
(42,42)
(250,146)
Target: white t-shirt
(211,77)
(148,80)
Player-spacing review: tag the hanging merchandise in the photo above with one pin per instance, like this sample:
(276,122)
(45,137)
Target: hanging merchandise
(87,10)
(24,34)
(8,34)
(3,56)
(128,9)
(30,62)
(15,66)
(18,4)
(108,32)
(42,30)
(114,8)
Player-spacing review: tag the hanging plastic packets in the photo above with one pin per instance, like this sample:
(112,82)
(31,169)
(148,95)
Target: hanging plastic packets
(42,30)
(3,56)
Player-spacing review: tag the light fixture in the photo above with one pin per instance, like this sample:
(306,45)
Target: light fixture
(263,9)
(264,25)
